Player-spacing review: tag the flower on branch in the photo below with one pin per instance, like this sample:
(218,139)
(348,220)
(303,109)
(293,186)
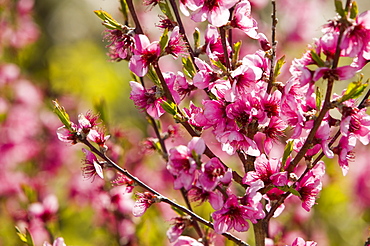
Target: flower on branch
(144,201)
(178,227)
(92,167)
(301,242)
(145,54)
(214,173)
(176,45)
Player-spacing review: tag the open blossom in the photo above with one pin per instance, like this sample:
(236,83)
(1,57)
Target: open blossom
(243,20)
(301,242)
(57,242)
(267,170)
(216,12)
(232,215)
(121,45)
(144,201)
(187,241)
(182,162)
(198,194)
(45,210)
(310,186)
(176,45)
(213,173)
(179,225)
(92,167)
(145,53)
(146,99)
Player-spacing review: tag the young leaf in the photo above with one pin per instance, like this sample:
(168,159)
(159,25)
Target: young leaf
(124,10)
(279,65)
(163,40)
(25,237)
(317,59)
(236,52)
(188,67)
(166,10)
(288,149)
(354,90)
(196,37)
(318,99)
(153,76)
(169,107)
(354,10)
(63,116)
(339,8)
(108,21)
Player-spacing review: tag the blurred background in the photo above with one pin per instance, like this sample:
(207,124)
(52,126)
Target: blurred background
(52,49)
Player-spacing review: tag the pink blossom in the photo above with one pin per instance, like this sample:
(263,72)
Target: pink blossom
(300,242)
(176,45)
(123,181)
(46,210)
(217,12)
(144,201)
(66,135)
(341,73)
(355,121)
(187,241)
(213,173)
(232,215)
(146,99)
(98,136)
(267,170)
(182,162)
(231,141)
(121,45)
(92,167)
(145,53)
(198,194)
(344,152)
(214,46)
(243,20)
(175,231)
(310,186)
(57,242)
(252,201)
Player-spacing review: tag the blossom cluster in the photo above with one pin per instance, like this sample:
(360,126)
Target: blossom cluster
(244,111)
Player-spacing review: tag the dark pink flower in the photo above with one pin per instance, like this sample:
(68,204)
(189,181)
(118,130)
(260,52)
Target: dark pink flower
(92,167)
(214,173)
(66,135)
(182,162)
(146,99)
(145,53)
(98,136)
(198,194)
(175,231)
(144,201)
(121,45)
(310,186)
(176,45)
(125,182)
(232,215)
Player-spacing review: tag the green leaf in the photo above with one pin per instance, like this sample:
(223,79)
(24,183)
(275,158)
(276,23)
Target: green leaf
(318,99)
(178,211)
(354,10)
(339,8)
(63,116)
(108,21)
(25,237)
(166,10)
(188,67)
(124,10)
(278,66)
(196,37)
(153,76)
(236,52)
(163,40)
(354,90)
(219,64)
(169,107)
(288,149)
(317,59)
(290,189)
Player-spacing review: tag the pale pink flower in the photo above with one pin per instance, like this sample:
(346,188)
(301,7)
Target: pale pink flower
(176,45)
(57,242)
(267,170)
(145,53)
(45,210)
(144,201)
(187,241)
(92,167)
(178,226)
(300,242)
(216,12)
(243,20)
